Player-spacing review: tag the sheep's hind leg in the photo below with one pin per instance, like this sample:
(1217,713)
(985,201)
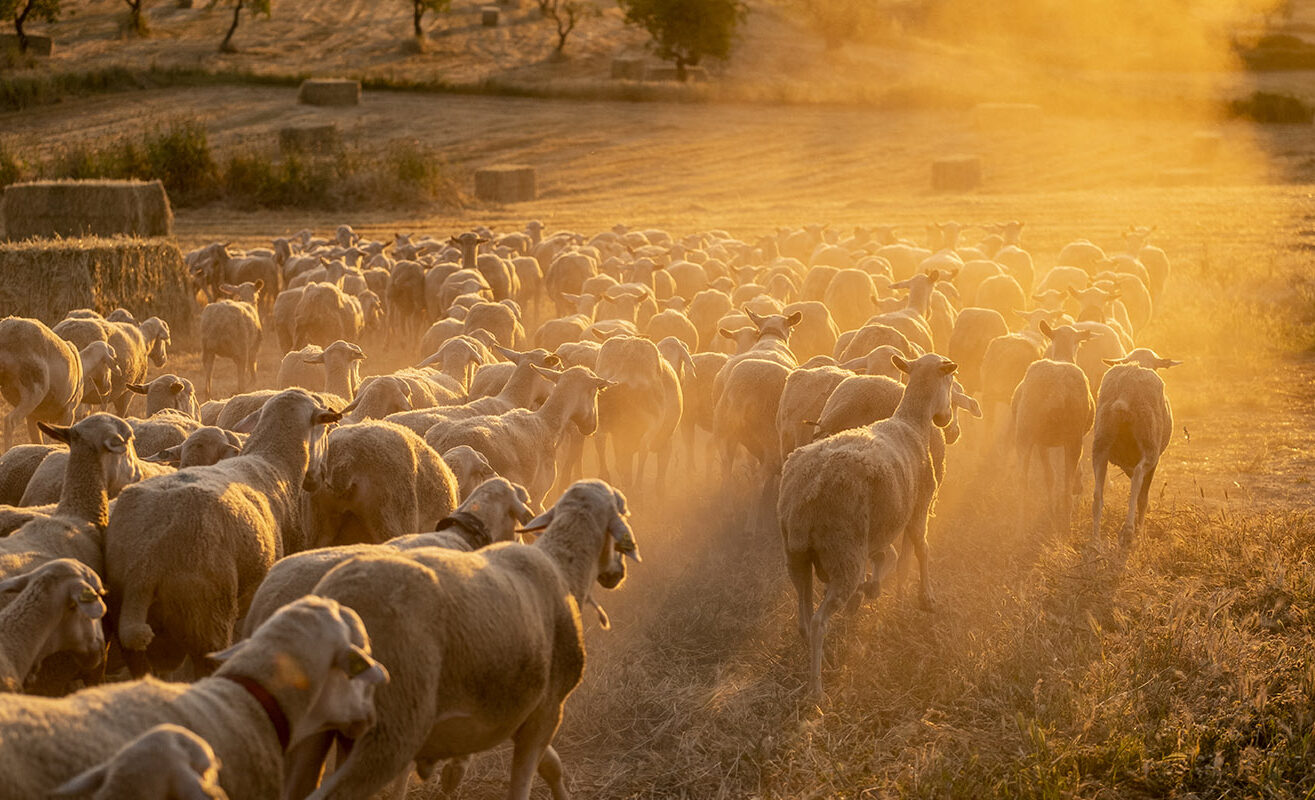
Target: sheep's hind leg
(800,566)
(532,741)
(844,582)
(1099,468)
(1135,490)
(916,535)
(550,769)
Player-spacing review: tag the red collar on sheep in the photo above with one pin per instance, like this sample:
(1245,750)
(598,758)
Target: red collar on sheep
(267,701)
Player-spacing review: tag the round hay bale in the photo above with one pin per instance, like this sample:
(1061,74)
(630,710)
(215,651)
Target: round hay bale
(506,183)
(956,174)
(329,92)
(47,209)
(44,278)
(313,139)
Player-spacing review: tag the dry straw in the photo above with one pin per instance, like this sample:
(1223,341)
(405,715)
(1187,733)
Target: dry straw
(86,208)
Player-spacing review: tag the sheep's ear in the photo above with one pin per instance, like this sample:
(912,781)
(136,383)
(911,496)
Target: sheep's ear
(1046,330)
(508,353)
(260,285)
(934,275)
(227,288)
(15,584)
(325,416)
(228,652)
(900,364)
(248,423)
(899,285)
(84,785)
(59,433)
(169,455)
(551,375)
(948,367)
(521,506)
(968,403)
(357,353)
(136,387)
(552,360)
(177,387)
(117,445)
(624,538)
(794,319)
(604,384)
(539,523)
(315,358)
(1085,336)
(726,333)
(1165,363)
(1113,362)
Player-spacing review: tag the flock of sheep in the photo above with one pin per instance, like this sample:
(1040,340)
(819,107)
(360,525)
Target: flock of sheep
(394,567)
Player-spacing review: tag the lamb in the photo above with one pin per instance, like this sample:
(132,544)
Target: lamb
(530,659)
(57,609)
(1052,407)
(100,455)
(377,480)
(520,444)
(334,369)
(168,391)
(490,515)
(167,761)
(231,328)
(202,447)
(252,715)
(40,376)
(1133,426)
(852,496)
(230,521)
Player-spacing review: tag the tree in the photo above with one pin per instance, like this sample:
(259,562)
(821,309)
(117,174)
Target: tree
(567,14)
(47,10)
(419,7)
(685,31)
(135,15)
(257,7)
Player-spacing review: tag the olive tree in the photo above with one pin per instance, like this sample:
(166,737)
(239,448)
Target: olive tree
(567,14)
(256,6)
(687,31)
(23,10)
(419,7)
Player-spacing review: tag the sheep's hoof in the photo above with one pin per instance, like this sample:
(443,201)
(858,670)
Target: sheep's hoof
(1126,535)
(870,589)
(453,772)
(926,601)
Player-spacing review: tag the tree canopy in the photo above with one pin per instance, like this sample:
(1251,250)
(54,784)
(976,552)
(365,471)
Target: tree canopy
(687,31)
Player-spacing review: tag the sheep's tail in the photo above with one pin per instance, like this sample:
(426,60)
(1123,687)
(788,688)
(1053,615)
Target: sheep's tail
(134,632)
(1121,408)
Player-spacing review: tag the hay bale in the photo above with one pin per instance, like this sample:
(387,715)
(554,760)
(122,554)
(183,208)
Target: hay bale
(329,92)
(505,183)
(1186,176)
(37,45)
(667,72)
(489,15)
(628,69)
(313,139)
(45,278)
(1007,116)
(86,208)
(956,174)
(510,5)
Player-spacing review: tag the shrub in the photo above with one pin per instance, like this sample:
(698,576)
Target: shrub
(1273,108)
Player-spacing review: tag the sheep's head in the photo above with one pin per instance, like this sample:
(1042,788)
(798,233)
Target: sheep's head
(1064,341)
(166,761)
(580,387)
(930,380)
(469,467)
(110,438)
(777,325)
(248,292)
(1143,357)
(158,338)
(319,649)
(74,593)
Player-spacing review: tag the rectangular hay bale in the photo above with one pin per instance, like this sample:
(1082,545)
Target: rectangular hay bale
(956,174)
(506,183)
(489,16)
(86,208)
(329,92)
(313,139)
(37,44)
(45,278)
(1007,116)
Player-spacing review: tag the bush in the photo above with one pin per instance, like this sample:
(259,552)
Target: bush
(10,170)
(1273,108)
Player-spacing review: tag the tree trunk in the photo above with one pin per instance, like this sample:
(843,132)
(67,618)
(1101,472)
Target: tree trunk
(418,11)
(227,45)
(18,26)
(681,74)
(135,14)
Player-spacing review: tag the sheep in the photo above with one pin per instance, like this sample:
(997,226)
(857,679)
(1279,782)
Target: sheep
(849,297)
(229,521)
(490,515)
(566,275)
(469,468)
(869,338)
(705,310)
(1001,292)
(1080,253)
(1102,343)
(816,332)
(458,358)
(254,717)
(16,467)
(334,369)
(167,428)
(802,400)
(324,314)
(57,609)
(99,372)
(1003,365)
(47,482)
(406,298)
(973,332)
(1153,258)
(100,455)
(502,623)
(497,319)
(769,340)
(525,388)
(168,391)
(912,320)
(1052,407)
(851,496)
(672,322)
(1133,426)
(231,328)
(640,412)
(165,762)
(202,447)
(520,444)
(40,376)
(377,480)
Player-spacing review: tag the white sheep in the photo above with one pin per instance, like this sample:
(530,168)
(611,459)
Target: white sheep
(974,330)
(493,649)
(802,400)
(40,376)
(1133,427)
(257,720)
(852,496)
(55,608)
(334,369)
(168,391)
(228,522)
(641,410)
(166,762)
(231,328)
(16,467)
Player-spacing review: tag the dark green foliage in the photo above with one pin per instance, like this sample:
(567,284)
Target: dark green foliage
(687,31)
(1273,108)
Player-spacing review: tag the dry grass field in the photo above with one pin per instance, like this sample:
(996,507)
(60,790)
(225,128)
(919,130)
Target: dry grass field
(1185,669)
